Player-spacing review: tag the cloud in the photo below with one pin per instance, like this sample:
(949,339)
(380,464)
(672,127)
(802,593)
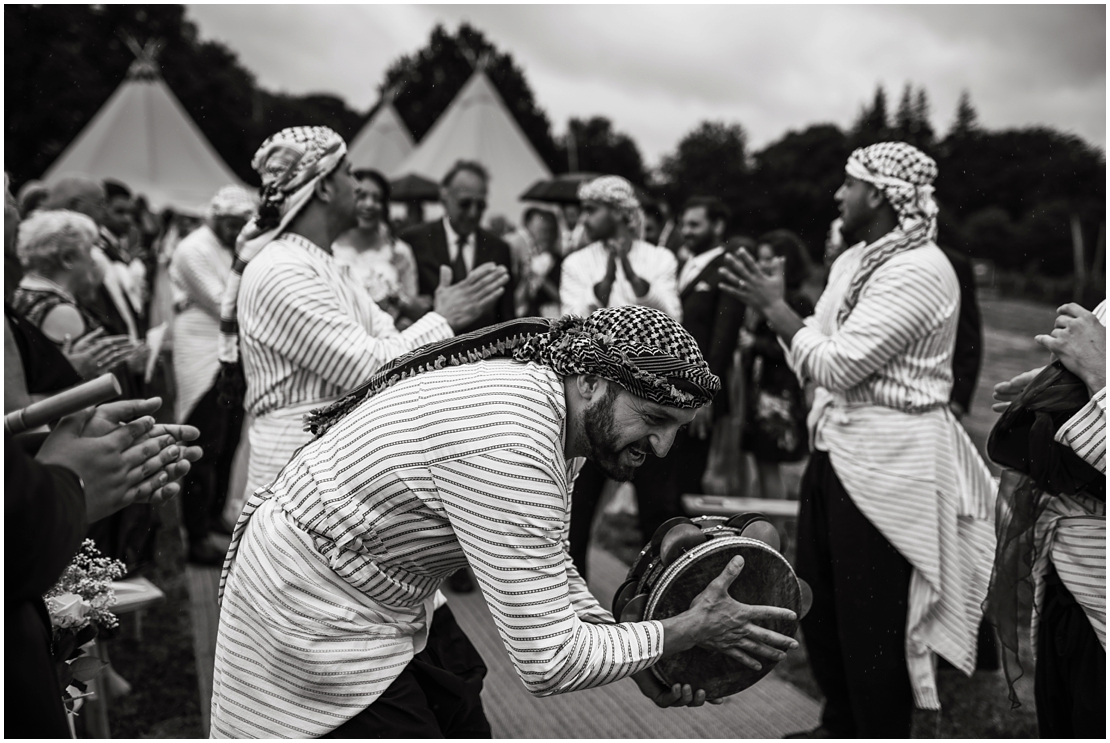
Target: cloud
(657,70)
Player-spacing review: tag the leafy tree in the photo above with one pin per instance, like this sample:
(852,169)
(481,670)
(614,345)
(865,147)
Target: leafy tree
(428,80)
(793,184)
(711,160)
(873,123)
(966,124)
(600,149)
(904,123)
(924,131)
(63,62)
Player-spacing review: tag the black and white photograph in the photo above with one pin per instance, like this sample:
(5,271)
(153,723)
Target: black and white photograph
(555,371)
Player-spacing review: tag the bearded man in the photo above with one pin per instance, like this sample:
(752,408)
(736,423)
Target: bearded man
(461,453)
(895,533)
(309,330)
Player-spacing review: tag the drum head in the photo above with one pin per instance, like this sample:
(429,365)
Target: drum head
(767,579)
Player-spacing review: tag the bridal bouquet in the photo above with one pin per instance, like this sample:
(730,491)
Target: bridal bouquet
(79,607)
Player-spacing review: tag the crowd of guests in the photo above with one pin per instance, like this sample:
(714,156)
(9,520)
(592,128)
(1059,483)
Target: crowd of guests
(284,303)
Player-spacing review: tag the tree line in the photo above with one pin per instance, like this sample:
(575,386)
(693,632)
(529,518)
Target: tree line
(1010,196)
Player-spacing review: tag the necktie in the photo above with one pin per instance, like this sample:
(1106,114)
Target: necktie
(458,266)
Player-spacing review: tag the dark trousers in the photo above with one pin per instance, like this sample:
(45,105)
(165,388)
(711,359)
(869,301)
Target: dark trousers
(204,489)
(855,633)
(1070,680)
(660,484)
(438,695)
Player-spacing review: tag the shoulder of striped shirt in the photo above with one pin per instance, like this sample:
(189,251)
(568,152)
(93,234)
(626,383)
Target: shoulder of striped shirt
(1100,312)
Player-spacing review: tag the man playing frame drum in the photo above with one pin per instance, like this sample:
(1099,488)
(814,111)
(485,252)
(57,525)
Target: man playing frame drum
(461,453)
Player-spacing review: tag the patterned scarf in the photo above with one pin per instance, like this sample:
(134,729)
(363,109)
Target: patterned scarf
(290,164)
(639,348)
(616,193)
(904,175)
(231,201)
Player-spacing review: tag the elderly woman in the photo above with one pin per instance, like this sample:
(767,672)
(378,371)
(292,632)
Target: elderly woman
(199,271)
(60,277)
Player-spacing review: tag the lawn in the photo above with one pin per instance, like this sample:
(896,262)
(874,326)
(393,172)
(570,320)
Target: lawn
(161,667)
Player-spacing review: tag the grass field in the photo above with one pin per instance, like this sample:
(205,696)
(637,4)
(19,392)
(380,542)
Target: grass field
(161,667)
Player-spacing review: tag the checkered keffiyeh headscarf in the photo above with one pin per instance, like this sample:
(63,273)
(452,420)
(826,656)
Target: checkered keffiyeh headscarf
(290,164)
(617,193)
(639,348)
(231,201)
(904,175)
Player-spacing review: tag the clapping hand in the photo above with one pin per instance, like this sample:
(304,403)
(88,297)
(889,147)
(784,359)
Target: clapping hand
(95,353)
(121,455)
(464,302)
(744,279)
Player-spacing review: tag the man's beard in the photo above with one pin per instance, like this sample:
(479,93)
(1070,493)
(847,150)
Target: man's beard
(701,244)
(601,439)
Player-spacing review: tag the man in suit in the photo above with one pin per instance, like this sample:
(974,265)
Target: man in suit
(457,241)
(713,318)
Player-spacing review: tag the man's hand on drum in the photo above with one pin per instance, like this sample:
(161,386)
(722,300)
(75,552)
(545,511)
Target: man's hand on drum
(718,622)
(679,695)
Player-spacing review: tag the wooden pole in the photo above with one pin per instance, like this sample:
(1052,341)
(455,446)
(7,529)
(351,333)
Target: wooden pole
(1078,257)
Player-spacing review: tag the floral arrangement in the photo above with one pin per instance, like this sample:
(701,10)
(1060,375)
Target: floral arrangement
(79,607)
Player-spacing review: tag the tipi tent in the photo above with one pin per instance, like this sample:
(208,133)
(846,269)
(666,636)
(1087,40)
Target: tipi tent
(143,137)
(478,126)
(383,143)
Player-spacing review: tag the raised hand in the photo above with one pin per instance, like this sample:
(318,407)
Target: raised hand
(744,279)
(463,303)
(1079,341)
(94,353)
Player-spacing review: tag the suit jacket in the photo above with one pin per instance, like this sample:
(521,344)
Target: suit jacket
(713,318)
(429,245)
(968,354)
(44,523)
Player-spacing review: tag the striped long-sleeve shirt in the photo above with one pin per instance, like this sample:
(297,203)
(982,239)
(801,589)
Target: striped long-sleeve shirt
(1071,533)
(328,585)
(309,332)
(880,411)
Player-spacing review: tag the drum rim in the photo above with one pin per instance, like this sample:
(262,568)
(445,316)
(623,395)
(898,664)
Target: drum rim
(710,545)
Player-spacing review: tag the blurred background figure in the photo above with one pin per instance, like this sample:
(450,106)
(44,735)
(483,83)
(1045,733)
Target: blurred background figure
(113,305)
(458,241)
(31,197)
(59,277)
(536,262)
(654,222)
(383,264)
(775,414)
(199,270)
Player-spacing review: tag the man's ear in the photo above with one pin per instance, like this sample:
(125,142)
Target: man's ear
(591,387)
(875,197)
(322,189)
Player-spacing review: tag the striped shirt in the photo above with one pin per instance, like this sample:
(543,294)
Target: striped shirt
(586,267)
(308,329)
(1072,531)
(881,412)
(309,332)
(329,583)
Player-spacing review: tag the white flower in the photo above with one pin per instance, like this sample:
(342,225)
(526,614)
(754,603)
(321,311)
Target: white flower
(67,610)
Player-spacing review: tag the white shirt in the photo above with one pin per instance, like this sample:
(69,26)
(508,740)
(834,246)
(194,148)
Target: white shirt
(653,264)
(881,413)
(694,265)
(469,246)
(329,582)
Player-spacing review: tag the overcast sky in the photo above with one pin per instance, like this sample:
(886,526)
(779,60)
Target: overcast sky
(657,70)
